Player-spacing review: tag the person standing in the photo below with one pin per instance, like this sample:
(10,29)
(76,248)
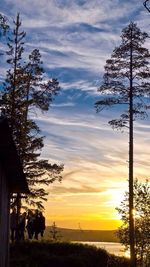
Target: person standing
(13,225)
(41,223)
(36,224)
(21,226)
(30,224)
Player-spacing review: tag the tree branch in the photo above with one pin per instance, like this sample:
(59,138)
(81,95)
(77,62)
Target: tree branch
(145,5)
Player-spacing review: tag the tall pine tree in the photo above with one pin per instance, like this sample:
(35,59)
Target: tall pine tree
(24,89)
(126,82)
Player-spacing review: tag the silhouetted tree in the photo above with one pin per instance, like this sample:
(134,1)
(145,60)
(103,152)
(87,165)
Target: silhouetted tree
(54,232)
(142,221)
(126,82)
(24,89)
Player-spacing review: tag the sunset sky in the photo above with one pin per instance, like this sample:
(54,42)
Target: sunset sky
(75,37)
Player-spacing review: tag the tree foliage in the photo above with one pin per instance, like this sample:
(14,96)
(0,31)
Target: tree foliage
(142,220)
(24,90)
(115,89)
(3,25)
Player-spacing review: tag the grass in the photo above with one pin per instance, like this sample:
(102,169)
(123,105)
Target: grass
(49,254)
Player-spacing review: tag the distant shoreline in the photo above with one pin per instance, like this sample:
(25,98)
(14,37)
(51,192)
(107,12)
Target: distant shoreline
(78,229)
(84,235)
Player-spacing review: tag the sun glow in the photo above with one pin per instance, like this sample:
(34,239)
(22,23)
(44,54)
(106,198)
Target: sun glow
(94,210)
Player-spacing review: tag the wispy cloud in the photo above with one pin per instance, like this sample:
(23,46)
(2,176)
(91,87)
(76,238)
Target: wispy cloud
(73,35)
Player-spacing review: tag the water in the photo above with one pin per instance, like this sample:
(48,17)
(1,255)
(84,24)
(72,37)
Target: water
(113,248)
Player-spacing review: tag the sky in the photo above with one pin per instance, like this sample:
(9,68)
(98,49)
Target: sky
(75,37)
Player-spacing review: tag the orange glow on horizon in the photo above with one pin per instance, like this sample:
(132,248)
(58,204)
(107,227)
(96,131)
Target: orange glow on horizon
(85,225)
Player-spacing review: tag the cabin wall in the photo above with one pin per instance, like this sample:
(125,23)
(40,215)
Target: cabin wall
(4,220)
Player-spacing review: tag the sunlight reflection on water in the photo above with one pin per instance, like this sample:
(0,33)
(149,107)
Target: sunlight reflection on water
(113,248)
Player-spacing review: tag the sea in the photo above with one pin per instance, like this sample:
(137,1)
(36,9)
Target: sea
(113,248)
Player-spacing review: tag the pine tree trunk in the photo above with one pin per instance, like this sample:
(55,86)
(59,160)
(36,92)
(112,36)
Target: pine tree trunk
(131,196)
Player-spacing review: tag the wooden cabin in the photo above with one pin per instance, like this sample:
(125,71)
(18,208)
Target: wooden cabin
(12,180)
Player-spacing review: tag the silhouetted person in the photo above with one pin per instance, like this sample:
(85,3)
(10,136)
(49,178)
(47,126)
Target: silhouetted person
(36,224)
(41,223)
(30,224)
(13,225)
(21,226)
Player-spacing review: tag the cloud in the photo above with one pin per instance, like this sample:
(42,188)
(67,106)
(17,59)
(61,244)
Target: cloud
(88,143)
(74,11)
(75,37)
(69,104)
(84,189)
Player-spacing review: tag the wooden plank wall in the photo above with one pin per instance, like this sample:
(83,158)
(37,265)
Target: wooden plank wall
(4,220)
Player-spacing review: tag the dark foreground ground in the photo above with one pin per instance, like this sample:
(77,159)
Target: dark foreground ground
(49,254)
